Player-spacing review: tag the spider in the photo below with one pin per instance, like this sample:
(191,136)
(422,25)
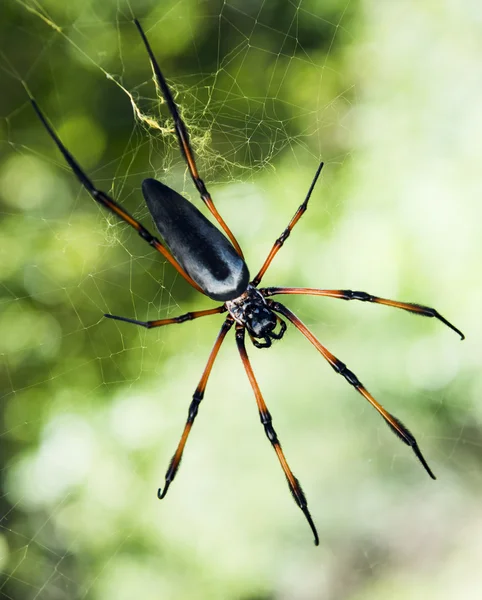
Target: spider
(214,265)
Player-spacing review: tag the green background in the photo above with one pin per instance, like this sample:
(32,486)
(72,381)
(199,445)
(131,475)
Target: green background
(389,95)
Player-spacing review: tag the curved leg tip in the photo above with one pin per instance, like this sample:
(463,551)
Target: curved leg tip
(421,458)
(307,514)
(449,324)
(162,492)
(145,324)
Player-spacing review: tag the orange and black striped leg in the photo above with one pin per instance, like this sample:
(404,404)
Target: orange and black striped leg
(282,238)
(395,425)
(194,407)
(190,316)
(417,309)
(183,137)
(265,417)
(106,201)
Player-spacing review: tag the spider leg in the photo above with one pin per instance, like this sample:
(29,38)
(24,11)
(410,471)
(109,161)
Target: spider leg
(281,332)
(194,407)
(183,137)
(265,417)
(180,319)
(282,238)
(106,201)
(417,309)
(395,425)
(257,344)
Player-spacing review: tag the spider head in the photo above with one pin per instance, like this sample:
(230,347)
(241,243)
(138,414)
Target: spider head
(260,321)
(253,312)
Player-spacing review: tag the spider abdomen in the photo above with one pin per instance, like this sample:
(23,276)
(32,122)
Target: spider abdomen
(205,253)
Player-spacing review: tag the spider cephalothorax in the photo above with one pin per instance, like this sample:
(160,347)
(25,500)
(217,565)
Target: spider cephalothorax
(214,265)
(253,312)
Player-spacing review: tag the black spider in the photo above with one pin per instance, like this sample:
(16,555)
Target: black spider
(214,265)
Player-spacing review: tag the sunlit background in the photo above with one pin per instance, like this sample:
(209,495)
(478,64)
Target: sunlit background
(389,95)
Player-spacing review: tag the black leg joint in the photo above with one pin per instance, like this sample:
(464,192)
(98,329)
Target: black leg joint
(265,417)
(145,235)
(184,318)
(194,406)
(362,296)
(282,238)
(268,427)
(271,434)
(202,189)
(339,367)
(342,369)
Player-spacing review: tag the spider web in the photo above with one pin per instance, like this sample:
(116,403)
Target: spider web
(387,94)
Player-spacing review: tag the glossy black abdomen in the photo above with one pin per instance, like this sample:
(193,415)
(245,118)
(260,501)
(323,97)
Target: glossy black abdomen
(205,253)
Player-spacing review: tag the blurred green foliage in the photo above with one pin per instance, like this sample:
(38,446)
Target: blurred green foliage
(91,410)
